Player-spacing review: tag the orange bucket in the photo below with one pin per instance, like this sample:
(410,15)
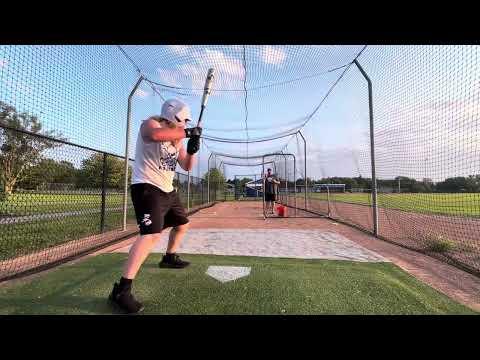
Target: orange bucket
(281,210)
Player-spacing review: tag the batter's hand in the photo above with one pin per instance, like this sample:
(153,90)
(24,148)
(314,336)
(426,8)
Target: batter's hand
(193,144)
(195,131)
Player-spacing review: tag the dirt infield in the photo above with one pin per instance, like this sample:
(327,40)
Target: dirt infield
(448,279)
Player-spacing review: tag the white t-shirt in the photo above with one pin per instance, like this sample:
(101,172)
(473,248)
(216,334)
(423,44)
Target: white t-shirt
(155,163)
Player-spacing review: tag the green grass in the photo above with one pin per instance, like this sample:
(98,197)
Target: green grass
(438,243)
(21,239)
(446,204)
(275,286)
(30,204)
(38,234)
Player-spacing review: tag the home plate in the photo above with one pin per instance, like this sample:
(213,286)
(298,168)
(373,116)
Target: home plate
(227,273)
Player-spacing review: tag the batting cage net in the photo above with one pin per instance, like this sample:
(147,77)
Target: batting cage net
(424,116)
(384,138)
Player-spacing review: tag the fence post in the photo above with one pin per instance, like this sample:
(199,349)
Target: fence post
(328,200)
(287,197)
(372,149)
(127,141)
(198,159)
(305,166)
(263,187)
(208,178)
(188,192)
(104,181)
(295,183)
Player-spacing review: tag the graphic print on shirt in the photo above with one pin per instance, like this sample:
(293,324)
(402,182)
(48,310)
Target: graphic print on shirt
(146,220)
(168,160)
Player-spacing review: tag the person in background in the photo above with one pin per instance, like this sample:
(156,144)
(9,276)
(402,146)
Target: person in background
(270,186)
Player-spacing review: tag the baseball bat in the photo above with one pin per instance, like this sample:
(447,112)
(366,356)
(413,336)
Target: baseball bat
(206,93)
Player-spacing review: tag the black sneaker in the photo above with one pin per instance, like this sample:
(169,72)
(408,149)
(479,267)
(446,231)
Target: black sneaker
(124,300)
(173,262)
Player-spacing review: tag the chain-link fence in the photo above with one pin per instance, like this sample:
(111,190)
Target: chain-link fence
(59,200)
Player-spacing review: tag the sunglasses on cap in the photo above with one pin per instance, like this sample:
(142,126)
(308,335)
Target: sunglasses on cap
(180,121)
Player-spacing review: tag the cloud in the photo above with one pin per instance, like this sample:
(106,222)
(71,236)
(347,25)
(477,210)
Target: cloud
(227,68)
(179,49)
(231,66)
(273,55)
(168,77)
(435,139)
(229,72)
(141,93)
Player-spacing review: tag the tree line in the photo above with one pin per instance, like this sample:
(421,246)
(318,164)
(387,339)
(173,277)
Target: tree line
(458,184)
(89,175)
(24,163)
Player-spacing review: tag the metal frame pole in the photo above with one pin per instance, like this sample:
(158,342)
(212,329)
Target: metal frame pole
(287,197)
(328,200)
(208,178)
(263,187)
(127,142)
(188,192)
(305,165)
(216,182)
(275,172)
(235,194)
(104,193)
(372,150)
(295,182)
(198,159)
(286,181)
(223,185)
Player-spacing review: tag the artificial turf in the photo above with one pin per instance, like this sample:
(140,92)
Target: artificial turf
(274,286)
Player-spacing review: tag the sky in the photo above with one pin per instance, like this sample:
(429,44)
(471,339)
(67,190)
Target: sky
(425,101)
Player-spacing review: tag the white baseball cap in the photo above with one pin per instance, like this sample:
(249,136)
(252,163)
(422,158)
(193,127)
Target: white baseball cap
(176,111)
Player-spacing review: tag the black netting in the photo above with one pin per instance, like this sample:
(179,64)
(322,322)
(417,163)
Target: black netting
(425,111)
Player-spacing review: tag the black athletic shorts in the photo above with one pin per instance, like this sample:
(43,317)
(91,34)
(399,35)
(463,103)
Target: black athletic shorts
(269,197)
(155,209)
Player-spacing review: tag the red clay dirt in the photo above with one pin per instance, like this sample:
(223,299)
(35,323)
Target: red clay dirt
(413,229)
